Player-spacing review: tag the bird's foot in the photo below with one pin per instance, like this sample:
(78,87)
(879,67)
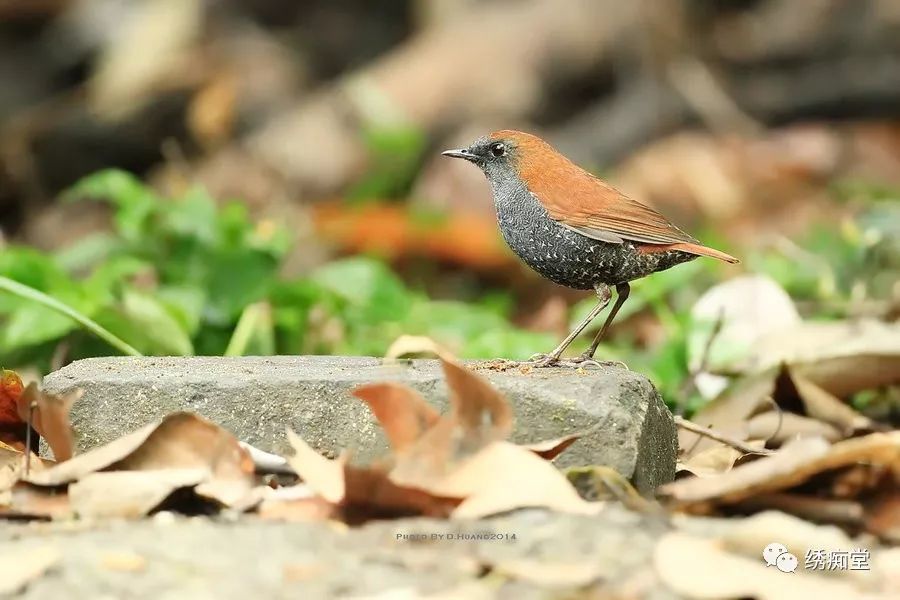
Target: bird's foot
(579,362)
(539,361)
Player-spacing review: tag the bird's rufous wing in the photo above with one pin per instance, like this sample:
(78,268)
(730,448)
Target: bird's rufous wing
(597,210)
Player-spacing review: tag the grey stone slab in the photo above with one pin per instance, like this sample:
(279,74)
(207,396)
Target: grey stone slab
(258,397)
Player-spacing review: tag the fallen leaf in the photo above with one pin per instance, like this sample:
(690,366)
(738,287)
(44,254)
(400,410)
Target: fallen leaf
(841,357)
(180,441)
(93,460)
(882,515)
(401,411)
(504,477)
(793,464)
(483,413)
(749,307)
(128,494)
(778,428)
(406,345)
(729,412)
(13,429)
(21,567)
(35,502)
(323,475)
(50,418)
(550,449)
(825,406)
(711,461)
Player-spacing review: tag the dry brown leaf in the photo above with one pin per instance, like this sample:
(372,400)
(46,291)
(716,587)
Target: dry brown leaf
(504,477)
(483,413)
(180,441)
(711,461)
(841,357)
(371,492)
(11,461)
(728,413)
(779,428)
(700,568)
(93,460)
(882,516)
(323,475)
(30,501)
(284,504)
(128,494)
(50,418)
(550,449)
(825,406)
(401,411)
(19,568)
(406,345)
(796,462)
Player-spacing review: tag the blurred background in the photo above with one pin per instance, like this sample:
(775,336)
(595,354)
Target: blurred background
(264,176)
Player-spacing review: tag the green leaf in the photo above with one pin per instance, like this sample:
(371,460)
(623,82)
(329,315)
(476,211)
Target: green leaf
(367,285)
(156,329)
(254,334)
(135,203)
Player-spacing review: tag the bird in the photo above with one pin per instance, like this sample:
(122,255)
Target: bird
(575,229)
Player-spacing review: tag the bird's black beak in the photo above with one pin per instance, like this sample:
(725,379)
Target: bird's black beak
(462,153)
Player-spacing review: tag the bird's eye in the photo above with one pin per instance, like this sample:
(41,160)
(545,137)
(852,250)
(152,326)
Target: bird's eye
(498,149)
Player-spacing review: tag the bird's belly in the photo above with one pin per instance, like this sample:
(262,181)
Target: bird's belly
(574,260)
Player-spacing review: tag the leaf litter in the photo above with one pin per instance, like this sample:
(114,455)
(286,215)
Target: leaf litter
(778,442)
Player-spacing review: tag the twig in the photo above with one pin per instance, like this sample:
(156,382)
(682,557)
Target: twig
(689,385)
(718,436)
(29,427)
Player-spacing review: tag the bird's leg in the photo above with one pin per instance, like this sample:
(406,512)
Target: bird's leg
(548,360)
(622,291)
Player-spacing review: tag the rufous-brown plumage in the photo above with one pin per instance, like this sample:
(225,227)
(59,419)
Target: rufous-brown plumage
(574,228)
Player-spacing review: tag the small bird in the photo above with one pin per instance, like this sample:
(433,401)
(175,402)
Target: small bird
(575,229)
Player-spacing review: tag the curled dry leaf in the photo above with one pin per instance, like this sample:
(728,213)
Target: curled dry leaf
(406,345)
(482,412)
(825,406)
(128,494)
(50,418)
(504,477)
(841,357)
(778,428)
(795,463)
(35,502)
(323,475)
(711,461)
(180,441)
(550,449)
(401,411)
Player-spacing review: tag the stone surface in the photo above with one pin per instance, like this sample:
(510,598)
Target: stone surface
(550,556)
(257,398)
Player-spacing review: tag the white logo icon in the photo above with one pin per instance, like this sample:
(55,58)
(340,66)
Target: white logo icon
(786,563)
(776,555)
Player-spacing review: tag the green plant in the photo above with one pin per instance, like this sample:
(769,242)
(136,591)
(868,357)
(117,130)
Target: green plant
(182,276)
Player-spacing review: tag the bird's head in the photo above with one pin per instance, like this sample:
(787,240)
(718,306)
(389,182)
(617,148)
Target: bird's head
(502,154)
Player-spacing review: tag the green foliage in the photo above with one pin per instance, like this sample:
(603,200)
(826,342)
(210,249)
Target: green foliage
(179,276)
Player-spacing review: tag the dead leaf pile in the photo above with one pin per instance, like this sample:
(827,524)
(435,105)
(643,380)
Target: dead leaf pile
(458,465)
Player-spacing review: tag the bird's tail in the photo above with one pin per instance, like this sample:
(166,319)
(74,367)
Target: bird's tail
(690,249)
